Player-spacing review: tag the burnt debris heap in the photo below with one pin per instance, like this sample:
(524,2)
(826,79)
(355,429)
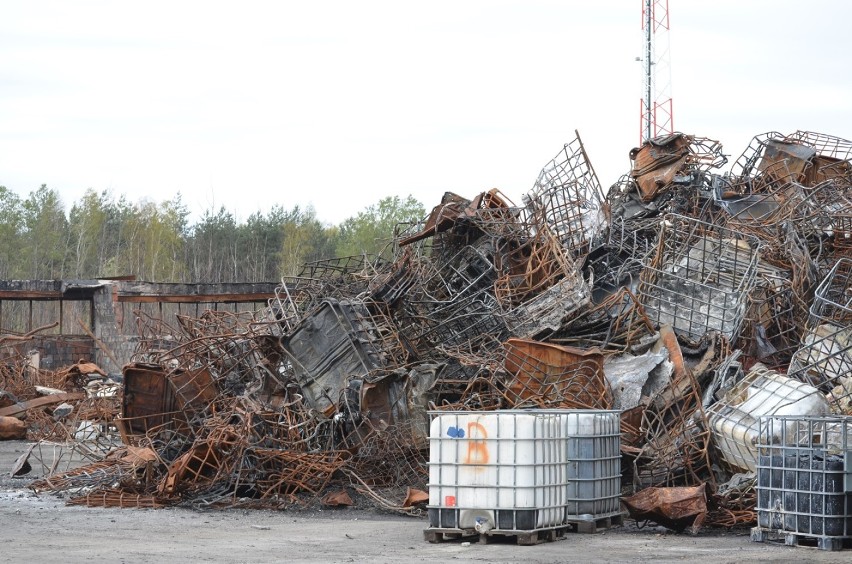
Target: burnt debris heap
(690,300)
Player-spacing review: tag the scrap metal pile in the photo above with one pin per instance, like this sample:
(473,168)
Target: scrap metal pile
(72,406)
(690,300)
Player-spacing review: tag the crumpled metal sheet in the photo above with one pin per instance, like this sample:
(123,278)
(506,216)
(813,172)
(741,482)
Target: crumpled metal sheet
(656,163)
(676,508)
(676,158)
(629,376)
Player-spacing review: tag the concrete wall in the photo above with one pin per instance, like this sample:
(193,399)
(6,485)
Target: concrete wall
(110,337)
(115,346)
(59,351)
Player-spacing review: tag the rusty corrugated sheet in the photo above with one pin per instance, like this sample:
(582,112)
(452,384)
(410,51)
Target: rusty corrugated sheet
(551,375)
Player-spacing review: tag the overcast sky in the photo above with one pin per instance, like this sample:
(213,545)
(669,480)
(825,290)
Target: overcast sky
(338,104)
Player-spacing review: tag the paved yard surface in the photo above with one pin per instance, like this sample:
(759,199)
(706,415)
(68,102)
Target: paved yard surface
(43,529)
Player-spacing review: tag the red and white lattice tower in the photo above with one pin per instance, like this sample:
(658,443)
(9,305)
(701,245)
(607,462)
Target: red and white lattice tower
(656,103)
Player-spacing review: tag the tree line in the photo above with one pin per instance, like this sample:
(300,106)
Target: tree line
(103,236)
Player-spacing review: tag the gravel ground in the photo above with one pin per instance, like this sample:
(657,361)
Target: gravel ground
(43,529)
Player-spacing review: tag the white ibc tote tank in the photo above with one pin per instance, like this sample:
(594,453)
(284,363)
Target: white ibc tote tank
(514,469)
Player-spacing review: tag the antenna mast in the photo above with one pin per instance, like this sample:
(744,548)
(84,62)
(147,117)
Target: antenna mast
(656,103)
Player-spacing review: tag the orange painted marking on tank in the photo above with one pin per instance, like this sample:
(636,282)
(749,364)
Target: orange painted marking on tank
(477,449)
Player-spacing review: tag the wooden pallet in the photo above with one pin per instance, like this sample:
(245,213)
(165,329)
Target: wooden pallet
(597,525)
(521,538)
(761,534)
(525,538)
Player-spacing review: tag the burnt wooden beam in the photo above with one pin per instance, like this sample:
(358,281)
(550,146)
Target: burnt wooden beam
(195,298)
(30,295)
(19,408)
(149,292)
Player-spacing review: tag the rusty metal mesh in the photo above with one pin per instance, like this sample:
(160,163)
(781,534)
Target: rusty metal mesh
(567,197)
(674,429)
(825,357)
(699,278)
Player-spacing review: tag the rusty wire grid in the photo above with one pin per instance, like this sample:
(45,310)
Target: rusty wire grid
(803,157)
(453,304)
(699,278)
(155,336)
(212,322)
(107,497)
(668,436)
(619,262)
(797,185)
(87,435)
(567,199)
(529,267)
(771,327)
(786,271)
(97,475)
(339,278)
(395,456)
(761,212)
(350,274)
(674,429)
(825,357)
(236,364)
(392,347)
(237,451)
(824,222)
(779,299)
(705,154)
(835,149)
(297,296)
(471,376)
(389,464)
(403,243)
(294,298)
(482,391)
(393,282)
(615,325)
(763,159)
(733,508)
(18,378)
(282,474)
(505,223)
(842,243)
